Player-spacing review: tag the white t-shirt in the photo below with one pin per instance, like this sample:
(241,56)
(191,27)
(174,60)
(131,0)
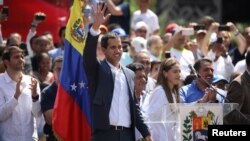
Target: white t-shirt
(185,58)
(240,66)
(149,18)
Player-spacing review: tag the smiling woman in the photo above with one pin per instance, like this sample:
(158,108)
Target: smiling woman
(165,92)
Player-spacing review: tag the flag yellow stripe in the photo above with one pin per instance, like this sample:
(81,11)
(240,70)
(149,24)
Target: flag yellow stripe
(75,23)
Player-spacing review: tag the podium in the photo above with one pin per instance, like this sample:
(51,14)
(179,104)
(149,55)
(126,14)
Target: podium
(186,121)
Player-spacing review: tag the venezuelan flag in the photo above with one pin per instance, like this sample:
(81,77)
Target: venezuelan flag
(71,114)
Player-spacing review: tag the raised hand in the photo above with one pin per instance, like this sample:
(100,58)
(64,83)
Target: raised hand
(33,87)
(18,88)
(211,94)
(99,16)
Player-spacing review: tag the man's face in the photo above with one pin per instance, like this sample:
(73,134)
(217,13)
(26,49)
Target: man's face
(144,59)
(16,61)
(206,71)
(225,37)
(141,32)
(57,70)
(143,3)
(156,48)
(140,80)
(114,51)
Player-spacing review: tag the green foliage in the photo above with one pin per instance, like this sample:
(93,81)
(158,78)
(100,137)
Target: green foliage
(187,136)
(216,122)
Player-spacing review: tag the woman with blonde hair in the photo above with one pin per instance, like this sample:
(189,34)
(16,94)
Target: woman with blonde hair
(165,92)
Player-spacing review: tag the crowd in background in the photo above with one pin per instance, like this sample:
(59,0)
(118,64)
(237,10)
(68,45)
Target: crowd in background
(200,62)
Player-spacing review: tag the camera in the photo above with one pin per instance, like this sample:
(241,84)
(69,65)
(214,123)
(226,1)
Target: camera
(187,31)
(40,17)
(5,11)
(199,27)
(23,46)
(224,28)
(167,54)
(219,40)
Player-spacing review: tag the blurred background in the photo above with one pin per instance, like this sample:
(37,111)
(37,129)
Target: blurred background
(21,13)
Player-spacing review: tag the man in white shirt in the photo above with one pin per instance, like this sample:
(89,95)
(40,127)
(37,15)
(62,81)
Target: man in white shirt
(19,98)
(146,15)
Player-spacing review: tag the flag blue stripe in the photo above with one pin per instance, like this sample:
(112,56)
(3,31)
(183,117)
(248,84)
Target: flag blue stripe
(74,73)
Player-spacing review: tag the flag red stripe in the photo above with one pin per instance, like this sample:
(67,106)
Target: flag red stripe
(69,115)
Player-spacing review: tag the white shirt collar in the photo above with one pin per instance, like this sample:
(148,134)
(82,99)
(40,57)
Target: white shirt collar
(113,67)
(7,77)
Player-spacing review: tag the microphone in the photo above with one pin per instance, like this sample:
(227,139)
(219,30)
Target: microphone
(192,70)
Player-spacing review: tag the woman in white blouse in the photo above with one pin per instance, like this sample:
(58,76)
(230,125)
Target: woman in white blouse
(165,92)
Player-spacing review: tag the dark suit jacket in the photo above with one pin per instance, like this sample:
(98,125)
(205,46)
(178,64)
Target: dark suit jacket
(101,87)
(239,92)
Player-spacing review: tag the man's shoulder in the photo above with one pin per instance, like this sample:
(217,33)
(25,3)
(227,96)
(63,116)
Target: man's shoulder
(54,50)
(188,88)
(129,71)
(191,85)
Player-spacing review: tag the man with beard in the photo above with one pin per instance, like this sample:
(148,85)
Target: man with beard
(199,90)
(19,98)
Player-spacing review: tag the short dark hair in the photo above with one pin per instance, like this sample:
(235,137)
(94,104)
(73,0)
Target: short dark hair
(135,66)
(106,37)
(8,51)
(197,64)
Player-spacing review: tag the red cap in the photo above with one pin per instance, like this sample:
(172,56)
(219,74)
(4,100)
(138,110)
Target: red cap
(170,27)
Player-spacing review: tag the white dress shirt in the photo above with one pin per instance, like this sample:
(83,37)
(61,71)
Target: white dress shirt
(119,114)
(17,116)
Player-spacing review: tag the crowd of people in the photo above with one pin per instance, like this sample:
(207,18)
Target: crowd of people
(132,72)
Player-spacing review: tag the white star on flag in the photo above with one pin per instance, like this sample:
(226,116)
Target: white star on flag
(82,85)
(73,87)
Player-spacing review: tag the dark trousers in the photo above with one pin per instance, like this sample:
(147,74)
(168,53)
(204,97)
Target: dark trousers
(113,135)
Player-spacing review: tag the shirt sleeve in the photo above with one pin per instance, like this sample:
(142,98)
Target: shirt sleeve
(93,32)
(36,106)
(156,101)
(28,38)
(182,95)
(7,107)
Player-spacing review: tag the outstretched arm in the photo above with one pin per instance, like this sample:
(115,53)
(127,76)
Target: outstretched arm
(91,42)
